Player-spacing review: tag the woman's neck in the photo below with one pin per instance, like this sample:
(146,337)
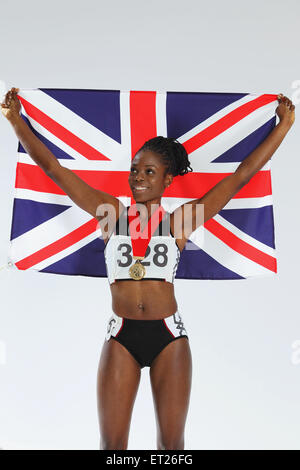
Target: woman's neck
(150,206)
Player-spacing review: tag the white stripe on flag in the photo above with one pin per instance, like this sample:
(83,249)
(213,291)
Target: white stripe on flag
(64,200)
(95,165)
(38,196)
(67,251)
(229,258)
(244,236)
(79,127)
(123,162)
(216,116)
(171,203)
(223,142)
(161,114)
(48,232)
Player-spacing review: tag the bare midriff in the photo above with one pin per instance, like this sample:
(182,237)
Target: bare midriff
(143,300)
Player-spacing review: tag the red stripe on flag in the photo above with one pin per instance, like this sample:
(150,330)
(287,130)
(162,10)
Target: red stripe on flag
(59,245)
(193,185)
(142,118)
(33,177)
(61,132)
(225,122)
(242,247)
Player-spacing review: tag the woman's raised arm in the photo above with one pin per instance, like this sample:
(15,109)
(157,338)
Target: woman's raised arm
(85,196)
(216,198)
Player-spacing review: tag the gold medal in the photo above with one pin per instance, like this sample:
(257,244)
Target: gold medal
(140,243)
(137,271)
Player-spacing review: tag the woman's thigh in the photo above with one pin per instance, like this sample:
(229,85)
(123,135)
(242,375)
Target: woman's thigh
(171,380)
(118,379)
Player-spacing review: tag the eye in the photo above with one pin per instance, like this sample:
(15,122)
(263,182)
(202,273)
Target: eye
(133,169)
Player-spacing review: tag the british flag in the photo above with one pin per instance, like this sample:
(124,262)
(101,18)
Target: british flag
(96,133)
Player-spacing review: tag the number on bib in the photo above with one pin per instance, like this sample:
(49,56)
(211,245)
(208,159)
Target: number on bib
(160,256)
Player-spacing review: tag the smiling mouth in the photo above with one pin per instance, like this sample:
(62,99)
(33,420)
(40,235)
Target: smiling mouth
(139,188)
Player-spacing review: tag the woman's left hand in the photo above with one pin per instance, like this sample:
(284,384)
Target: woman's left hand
(285,110)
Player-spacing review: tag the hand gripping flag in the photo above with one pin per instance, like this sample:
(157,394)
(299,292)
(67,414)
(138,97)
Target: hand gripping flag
(96,133)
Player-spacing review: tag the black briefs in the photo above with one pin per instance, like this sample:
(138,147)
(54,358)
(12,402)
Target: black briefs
(145,339)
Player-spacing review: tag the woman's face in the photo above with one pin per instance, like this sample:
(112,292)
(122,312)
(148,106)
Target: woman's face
(148,172)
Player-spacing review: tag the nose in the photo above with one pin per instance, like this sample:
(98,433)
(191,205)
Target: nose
(139,178)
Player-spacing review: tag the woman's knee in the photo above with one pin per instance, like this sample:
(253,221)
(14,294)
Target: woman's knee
(170,443)
(113,444)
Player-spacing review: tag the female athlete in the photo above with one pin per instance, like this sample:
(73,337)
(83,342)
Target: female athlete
(146,329)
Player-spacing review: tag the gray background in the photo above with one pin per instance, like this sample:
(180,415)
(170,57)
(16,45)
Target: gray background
(243,334)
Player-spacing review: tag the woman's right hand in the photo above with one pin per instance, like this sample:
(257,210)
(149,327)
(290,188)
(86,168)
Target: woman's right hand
(11,105)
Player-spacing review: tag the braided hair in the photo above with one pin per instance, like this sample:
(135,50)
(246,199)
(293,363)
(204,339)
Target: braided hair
(172,152)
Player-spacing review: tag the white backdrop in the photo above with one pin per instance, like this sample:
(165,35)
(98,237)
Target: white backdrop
(243,335)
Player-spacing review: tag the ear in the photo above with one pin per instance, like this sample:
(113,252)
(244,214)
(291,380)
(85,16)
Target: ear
(169,179)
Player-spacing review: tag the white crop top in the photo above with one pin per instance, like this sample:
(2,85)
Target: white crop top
(161,258)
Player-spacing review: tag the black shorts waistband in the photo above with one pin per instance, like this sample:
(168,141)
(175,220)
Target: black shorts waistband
(143,320)
(173,324)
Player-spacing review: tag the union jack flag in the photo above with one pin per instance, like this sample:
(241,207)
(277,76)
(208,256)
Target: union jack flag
(96,133)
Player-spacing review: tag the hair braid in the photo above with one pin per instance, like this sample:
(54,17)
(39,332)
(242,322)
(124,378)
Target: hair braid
(173,154)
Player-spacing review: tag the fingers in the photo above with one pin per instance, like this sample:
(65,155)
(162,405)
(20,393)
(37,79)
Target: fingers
(11,104)
(285,100)
(10,95)
(8,98)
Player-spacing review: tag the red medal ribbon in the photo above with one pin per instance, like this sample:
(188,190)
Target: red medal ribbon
(141,241)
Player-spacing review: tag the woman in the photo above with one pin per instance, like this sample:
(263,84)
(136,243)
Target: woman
(145,321)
